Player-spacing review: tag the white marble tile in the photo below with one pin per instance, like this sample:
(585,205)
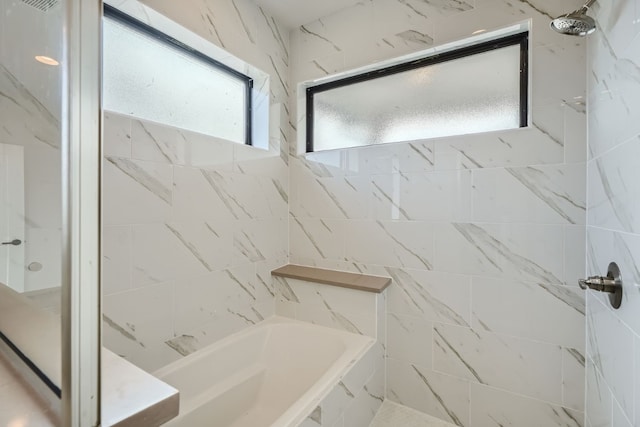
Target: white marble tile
(200,300)
(575,242)
(161,254)
(395,244)
(409,340)
(540,194)
(117,258)
(605,246)
(140,328)
(521,251)
(613,204)
(442,396)
(597,398)
(573,379)
(331,197)
(606,337)
(367,402)
(521,366)
(515,148)
(319,312)
(196,196)
(437,196)
(495,407)
(117,135)
(391,414)
(619,419)
(317,238)
(412,157)
(259,240)
(136,192)
(156,143)
(430,295)
(637,380)
(547,313)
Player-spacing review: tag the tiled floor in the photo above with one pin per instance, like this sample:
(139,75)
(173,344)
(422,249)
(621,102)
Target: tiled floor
(394,415)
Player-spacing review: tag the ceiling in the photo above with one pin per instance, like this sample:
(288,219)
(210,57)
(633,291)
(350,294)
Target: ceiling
(294,13)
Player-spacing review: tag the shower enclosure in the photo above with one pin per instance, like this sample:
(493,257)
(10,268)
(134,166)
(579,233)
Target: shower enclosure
(49,200)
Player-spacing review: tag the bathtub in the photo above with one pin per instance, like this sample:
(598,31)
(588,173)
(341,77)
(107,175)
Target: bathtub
(272,374)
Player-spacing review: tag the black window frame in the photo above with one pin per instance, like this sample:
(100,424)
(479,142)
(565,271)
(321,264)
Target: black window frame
(521,39)
(123,18)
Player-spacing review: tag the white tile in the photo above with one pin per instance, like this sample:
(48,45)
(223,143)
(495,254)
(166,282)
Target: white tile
(392,415)
(437,196)
(156,143)
(495,407)
(159,255)
(394,244)
(619,417)
(117,135)
(442,396)
(430,295)
(521,251)
(540,194)
(317,238)
(525,367)
(598,398)
(546,313)
(409,340)
(573,379)
(117,258)
(136,192)
(607,336)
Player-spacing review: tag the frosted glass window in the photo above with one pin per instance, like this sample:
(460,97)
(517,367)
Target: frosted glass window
(149,77)
(475,89)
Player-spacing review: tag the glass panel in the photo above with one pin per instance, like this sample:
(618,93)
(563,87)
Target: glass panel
(477,93)
(31,180)
(146,78)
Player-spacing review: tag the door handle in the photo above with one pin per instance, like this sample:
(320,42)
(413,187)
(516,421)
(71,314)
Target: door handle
(14,242)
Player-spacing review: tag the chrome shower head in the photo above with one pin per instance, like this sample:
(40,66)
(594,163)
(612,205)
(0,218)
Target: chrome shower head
(576,23)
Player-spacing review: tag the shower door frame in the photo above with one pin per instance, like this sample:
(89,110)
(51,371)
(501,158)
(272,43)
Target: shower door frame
(81,170)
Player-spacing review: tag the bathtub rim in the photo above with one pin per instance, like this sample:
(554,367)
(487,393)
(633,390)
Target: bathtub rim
(300,409)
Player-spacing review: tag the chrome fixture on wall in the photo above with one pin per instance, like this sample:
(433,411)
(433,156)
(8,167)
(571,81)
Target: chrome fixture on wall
(611,283)
(576,23)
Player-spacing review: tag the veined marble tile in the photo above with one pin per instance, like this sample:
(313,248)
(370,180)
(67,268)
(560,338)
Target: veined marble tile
(117,258)
(619,419)
(406,157)
(196,196)
(573,379)
(317,238)
(366,404)
(605,246)
(437,196)
(161,254)
(495,407)
(613,203)
(606,335)
(392,415)
(117,135)
(540,194)
(527,252)
(200,300)
(396,244)
(156,143)
(430,295)
(419,388)
(598,398)
(520,147)
(520,366)
(542,312)
(339,197)
(409,340)
(136,192)
(554,72)
(122,315)
(259,240)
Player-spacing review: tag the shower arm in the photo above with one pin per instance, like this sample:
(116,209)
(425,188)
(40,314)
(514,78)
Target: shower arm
(588,4)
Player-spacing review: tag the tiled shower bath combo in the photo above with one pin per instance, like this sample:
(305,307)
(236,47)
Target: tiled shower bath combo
(483,236)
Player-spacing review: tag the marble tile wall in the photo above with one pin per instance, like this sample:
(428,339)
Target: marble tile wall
(613,230)
(354,401)
(483,235)
(193,225)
